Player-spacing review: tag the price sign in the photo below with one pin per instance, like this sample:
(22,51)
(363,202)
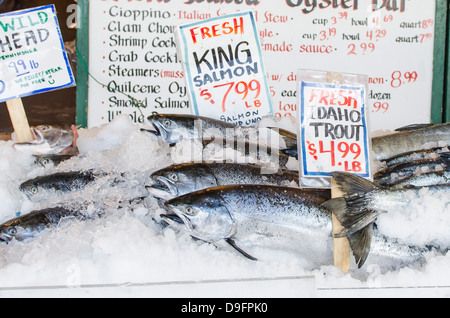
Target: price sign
(333,129)
(224,67)
(32,55)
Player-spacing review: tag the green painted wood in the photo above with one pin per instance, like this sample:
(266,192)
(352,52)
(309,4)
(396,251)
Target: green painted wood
(440,71)
(446,107)
(439,68)
(82,73)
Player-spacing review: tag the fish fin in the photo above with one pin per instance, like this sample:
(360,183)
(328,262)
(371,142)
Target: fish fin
(291,152)
(360,243)
(414,127)
(360,240)
(352,211)
(353,184)
(338,206)
(351,221)
(237,248)
(70,151)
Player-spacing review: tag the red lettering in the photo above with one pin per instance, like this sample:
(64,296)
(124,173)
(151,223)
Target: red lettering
(193,35)
(239,25)
(218,29)
(313,94)
(323,49)
(205,32)
(227,29)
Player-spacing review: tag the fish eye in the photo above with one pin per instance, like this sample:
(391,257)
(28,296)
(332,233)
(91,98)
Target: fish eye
(44,128)
(34,190)
(173,177)
(12,231)
(167,122)
(189,210)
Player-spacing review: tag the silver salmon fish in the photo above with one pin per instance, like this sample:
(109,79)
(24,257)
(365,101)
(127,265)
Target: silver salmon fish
(181,179)
(405,141)
(51,140)
(175,127)
(254,219)
(58,182)
(423,180)
(29,225)
(401,171)
(244,152)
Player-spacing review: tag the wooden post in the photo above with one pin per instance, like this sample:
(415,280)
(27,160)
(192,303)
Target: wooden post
(19,120)
(341,246)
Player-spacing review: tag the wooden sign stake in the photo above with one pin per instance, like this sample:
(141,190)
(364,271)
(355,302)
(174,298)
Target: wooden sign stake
(19,120)
(341,246)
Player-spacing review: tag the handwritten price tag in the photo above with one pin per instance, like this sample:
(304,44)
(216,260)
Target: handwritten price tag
(32,55)
(333,129)
(224,68)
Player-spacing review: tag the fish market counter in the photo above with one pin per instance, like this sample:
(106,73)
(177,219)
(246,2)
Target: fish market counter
(246,288)
(124,216)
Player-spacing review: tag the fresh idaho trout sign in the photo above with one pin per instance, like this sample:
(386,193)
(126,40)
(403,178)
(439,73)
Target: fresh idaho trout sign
(334,134)
(32,55)
(225,72)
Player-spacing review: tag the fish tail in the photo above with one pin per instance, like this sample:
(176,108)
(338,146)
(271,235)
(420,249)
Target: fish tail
(357,194)
(360,240)
(353,213)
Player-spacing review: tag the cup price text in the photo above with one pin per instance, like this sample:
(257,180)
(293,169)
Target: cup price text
(340,16)
(326,35)
(342,154)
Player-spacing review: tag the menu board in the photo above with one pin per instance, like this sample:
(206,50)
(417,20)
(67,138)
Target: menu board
(133,53)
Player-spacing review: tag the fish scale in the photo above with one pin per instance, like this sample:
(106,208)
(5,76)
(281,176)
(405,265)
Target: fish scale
(175,127)
(256,219)
(385,147)
(184,178)
(29,225)
(58,182)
